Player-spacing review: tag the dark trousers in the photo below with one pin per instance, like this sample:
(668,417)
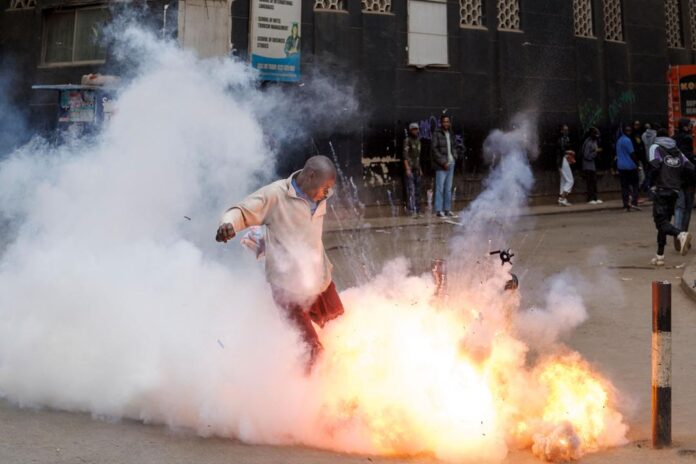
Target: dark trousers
(663,210)
(413,188)
(682,211)
(645,186)
(325,307)
(629,186)
(591,180)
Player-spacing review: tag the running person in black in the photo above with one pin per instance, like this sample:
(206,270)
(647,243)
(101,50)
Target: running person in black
(671,170)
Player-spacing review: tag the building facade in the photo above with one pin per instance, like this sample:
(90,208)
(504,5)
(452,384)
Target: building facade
(580,62)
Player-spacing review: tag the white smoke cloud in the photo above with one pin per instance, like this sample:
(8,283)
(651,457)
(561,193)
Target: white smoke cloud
(115,304)
(564,310)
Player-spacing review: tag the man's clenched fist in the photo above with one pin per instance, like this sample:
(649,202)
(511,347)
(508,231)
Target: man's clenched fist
(225,232)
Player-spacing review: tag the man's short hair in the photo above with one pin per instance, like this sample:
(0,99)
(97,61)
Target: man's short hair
(321,165)
(443,116)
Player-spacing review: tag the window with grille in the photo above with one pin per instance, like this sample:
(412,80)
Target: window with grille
(673,24)
(471,13)
(427,33)
(74,36)
(22,4)
(509,15)
(692,20)
(376,6)
(613,20)
(335,5)
(582,18)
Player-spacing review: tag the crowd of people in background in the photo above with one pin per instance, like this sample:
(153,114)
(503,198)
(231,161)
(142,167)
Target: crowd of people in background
(650,165)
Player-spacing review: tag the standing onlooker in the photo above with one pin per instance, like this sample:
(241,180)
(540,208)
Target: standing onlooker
(565,156)
(628,170)
(637,139)
(648,138)
(671,170)
(639,153)
(685,202)
(412,169)
(590,150)
(444,156)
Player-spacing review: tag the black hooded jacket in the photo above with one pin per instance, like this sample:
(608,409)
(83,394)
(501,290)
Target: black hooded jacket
(671,169)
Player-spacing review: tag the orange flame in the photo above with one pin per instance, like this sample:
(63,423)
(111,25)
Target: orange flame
(401,377)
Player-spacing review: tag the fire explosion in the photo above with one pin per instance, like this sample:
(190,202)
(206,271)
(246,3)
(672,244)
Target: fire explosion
(404,375)
(133,322)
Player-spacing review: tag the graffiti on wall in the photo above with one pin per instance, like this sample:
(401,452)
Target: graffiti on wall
(590,113)
(619,102)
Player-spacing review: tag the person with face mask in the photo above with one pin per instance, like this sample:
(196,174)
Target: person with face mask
(297,268)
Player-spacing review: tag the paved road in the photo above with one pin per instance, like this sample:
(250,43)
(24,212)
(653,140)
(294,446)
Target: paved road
(601,245)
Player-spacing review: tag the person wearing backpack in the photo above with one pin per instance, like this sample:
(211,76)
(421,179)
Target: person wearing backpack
(670,171)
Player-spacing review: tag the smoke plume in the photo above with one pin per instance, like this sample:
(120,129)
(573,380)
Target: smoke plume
(117,301)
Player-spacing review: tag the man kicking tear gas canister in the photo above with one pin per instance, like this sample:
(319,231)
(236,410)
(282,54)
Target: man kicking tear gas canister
(297,267)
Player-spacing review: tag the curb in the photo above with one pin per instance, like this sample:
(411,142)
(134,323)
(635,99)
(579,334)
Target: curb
(688,279)
(576,210)
(403,221)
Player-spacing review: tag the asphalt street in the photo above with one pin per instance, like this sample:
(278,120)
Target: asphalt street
(609,250)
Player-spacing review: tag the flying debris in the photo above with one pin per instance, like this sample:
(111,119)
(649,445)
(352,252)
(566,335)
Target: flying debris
(506,256)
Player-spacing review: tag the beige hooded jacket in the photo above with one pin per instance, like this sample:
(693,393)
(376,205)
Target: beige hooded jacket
(295,256)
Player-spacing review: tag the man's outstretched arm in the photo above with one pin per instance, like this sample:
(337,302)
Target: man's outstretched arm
(251,211)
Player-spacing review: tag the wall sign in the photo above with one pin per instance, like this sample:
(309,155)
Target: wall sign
(275,39)
(687,95)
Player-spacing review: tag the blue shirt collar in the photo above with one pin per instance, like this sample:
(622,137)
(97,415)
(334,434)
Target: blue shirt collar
(300,194)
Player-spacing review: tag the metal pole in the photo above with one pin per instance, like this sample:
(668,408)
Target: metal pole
(661,364)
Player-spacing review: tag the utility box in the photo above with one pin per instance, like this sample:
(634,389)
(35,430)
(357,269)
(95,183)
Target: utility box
(81,108)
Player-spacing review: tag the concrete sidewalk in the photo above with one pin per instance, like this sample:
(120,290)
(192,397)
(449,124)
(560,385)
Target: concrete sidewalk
(342,220)
(688,280)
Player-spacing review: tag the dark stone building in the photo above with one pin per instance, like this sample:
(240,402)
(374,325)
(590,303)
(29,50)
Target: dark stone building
(582,62)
